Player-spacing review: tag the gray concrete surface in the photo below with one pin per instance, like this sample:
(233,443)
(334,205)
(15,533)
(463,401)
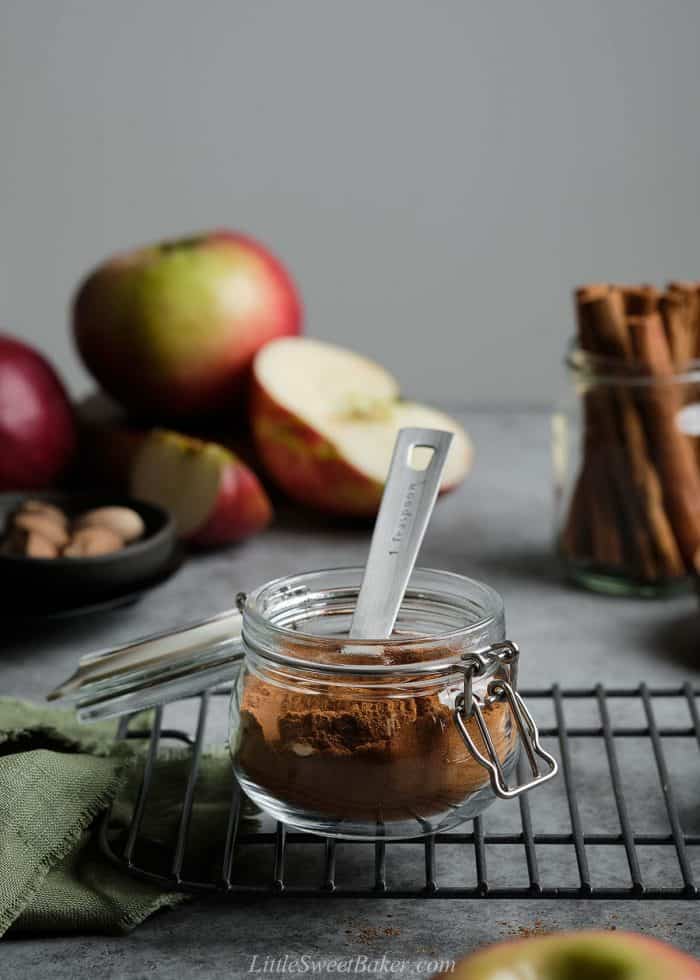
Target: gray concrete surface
(496,527)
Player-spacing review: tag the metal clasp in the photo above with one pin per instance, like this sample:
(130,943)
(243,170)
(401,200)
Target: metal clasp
(468,705)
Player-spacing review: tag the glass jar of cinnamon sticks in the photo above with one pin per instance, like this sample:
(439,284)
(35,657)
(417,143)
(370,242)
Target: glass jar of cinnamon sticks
(627,446)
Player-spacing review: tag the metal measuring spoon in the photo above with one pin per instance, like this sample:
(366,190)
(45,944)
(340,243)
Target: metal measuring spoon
(407,503)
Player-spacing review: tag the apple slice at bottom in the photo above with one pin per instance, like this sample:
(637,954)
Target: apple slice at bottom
(584,955)
(325,420)
(214,498)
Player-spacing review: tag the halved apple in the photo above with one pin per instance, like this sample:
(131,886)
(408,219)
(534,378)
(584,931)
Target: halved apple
(215,499)
(324,422)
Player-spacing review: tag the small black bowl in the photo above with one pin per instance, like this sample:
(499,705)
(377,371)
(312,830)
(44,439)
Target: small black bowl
(76,580)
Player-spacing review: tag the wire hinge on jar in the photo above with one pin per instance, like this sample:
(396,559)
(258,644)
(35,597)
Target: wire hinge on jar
(468,705)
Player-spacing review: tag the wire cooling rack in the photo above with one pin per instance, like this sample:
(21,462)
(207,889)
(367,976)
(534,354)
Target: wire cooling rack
(622,820)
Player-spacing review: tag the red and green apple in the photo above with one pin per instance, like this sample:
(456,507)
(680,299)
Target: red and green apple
(170,330)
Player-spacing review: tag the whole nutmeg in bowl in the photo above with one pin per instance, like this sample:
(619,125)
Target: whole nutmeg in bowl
(46,510)
(20,541)
(125,522)
(96,540)
(78,547)
(41,530)
(44,525)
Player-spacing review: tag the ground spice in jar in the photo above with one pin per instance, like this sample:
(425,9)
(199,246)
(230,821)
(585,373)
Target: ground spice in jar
(391,758)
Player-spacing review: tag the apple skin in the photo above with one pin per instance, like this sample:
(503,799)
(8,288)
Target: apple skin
(242,508)
(305,464)
(170,330)
(574,955)
(37,428)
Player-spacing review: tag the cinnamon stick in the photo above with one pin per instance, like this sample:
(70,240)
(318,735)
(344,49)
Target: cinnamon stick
(576,540)
(606,534)
(673,452)
(679,311)
(601,313)
(591,530)
(603,330)
(613,539)
(691,292)
(640,300)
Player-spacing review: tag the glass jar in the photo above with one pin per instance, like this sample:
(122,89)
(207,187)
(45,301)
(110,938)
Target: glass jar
(400,737)
(626,460)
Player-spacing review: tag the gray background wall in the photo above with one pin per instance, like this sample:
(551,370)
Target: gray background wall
(436,174)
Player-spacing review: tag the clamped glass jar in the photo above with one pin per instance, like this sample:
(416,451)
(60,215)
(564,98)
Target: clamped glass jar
(370,739)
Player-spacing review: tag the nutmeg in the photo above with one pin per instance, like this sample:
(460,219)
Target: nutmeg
(122,520)
(89,541)
(44,509)
(30,543)
(38,523)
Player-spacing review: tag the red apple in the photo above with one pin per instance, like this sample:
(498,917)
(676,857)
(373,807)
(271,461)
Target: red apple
(325,420)
(578,956)
(37,431)
(215,499)
(170,330)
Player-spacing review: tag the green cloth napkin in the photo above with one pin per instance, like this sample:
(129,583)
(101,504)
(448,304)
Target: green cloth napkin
(56,777)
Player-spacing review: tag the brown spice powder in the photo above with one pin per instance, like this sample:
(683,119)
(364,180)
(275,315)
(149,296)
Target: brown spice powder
(388,759)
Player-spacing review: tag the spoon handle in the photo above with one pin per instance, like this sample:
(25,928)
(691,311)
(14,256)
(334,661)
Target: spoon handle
(407,503)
